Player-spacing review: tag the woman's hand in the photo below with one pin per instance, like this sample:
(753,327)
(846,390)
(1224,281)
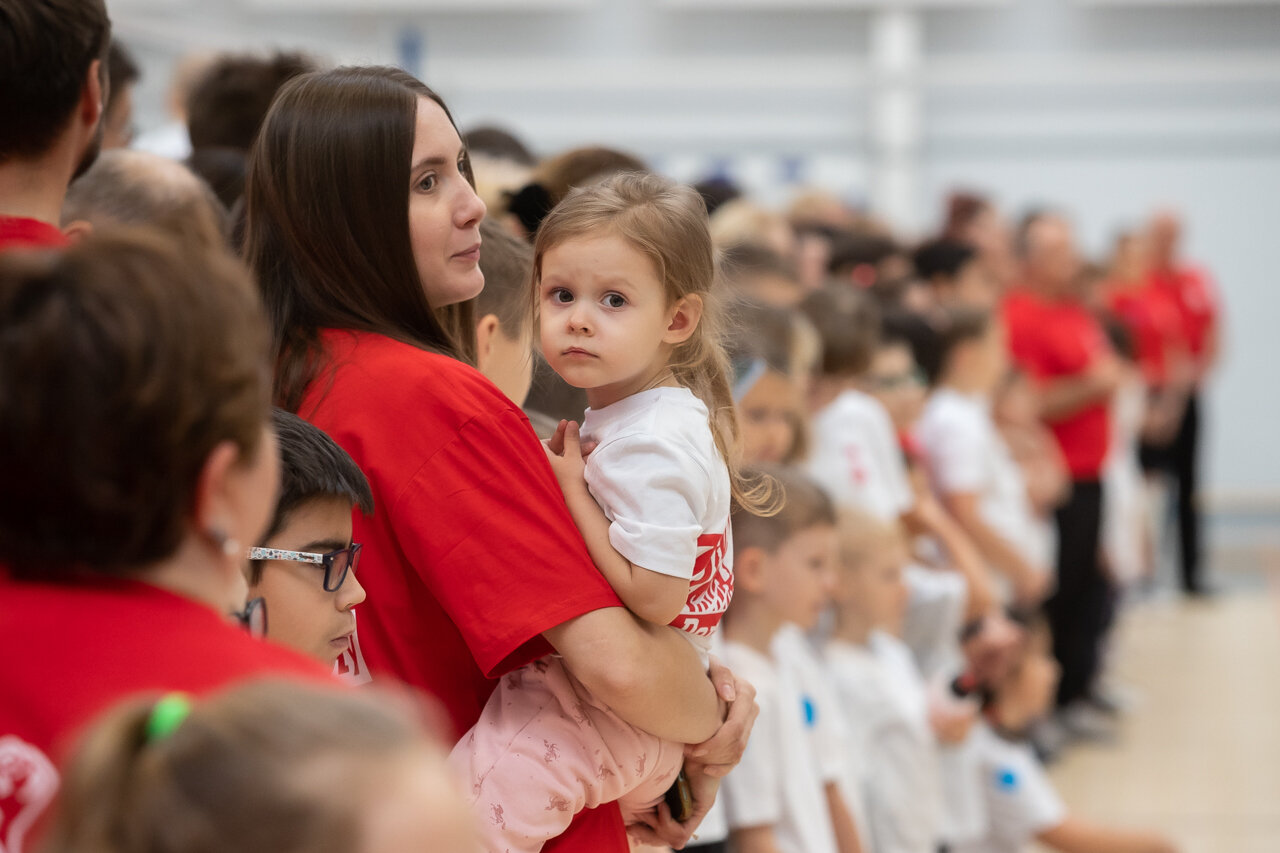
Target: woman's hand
(564,452)
(659,828)
(722,752)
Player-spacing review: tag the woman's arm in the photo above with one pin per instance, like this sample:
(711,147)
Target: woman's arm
(647,673)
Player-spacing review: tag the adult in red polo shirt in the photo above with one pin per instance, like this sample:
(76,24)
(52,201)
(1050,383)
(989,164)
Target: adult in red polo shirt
(138,462)
(1056,339)
(52,87)
(472,563)
(1189,293)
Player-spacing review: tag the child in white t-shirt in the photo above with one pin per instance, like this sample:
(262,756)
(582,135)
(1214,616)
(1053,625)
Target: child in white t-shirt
(882,694)
(783,797)
(623,272)
(969,464)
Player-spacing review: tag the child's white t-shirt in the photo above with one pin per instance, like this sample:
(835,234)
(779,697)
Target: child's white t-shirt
(830,740)
(777,783)
(856,456)
(658,476)
(1020,800)
(965,453)
(885,702)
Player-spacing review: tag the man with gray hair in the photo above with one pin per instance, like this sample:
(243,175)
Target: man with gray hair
(136,188)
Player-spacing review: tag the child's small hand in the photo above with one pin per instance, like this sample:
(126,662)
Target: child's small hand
(564,451)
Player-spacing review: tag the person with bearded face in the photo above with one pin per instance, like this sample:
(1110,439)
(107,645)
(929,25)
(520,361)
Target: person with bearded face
(53,84)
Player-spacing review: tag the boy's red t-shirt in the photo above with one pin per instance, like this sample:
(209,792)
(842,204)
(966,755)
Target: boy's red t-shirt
(18,232)
(75,650)
(1192,294)
(471,552)
(1055,340)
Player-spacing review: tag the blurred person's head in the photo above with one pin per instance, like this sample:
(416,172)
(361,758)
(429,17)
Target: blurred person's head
(974,219)
(224,170)
(122,74)
(361,215)
(1050,261)
(53,85)
(893,376)
(504,325)
(716,192)
(872,261)
(136,188)
(814,208)
(956,273)
(770,402)
(784,565)
(758,273)
(1164,233)
(1025,693)
(554,177)
(305,567)
(1131,257)
(742,221)
(135,387)
(268,767)
(227,106)
(870,591)
(502,165)
(972,351)
(848,324)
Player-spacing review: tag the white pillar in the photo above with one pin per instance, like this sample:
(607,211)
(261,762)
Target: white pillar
(897,52)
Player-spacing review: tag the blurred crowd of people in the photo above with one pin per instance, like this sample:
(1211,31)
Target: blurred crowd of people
(280,362)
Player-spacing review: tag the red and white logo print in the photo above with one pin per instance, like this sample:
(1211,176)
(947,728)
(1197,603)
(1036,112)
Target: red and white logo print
(28,782)
(711,586)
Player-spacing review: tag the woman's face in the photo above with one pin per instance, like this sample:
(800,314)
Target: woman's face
(444,211)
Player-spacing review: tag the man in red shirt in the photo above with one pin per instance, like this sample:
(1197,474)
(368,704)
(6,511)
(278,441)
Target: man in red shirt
(1187,293)
(1056,339)
(52,89)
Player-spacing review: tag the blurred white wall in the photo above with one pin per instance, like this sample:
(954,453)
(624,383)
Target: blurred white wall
(1104,107)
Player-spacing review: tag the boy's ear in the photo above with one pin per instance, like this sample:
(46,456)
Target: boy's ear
(748,569)
(685,315)
(486,328)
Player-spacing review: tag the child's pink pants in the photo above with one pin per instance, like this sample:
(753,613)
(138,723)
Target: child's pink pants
(545,748)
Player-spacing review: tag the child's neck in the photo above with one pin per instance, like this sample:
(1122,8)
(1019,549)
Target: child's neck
(752,623)
(607,395)
(962,385)
(826,388)
(852,627)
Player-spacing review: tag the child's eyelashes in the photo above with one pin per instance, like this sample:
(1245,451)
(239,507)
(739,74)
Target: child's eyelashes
(614,300)
(560,295)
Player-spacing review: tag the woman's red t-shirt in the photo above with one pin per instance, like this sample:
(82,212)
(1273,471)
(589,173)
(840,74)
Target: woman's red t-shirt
(471,552)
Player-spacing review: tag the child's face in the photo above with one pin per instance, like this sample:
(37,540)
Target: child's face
(1027,692)
(767,418)
(605,322)
(895,381)
(975,285)
(875,589)
(799,576)
(300,612)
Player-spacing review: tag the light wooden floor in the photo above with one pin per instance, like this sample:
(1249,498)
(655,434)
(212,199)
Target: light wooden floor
(1199,754)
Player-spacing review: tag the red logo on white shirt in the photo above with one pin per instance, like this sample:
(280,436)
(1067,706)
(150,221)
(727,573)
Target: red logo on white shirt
(710,588)
(28,782)
(350,667)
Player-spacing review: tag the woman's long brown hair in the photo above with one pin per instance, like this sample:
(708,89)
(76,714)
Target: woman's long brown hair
(327,230)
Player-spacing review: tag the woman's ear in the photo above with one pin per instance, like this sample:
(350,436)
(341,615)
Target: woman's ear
(486,328)
(685,315)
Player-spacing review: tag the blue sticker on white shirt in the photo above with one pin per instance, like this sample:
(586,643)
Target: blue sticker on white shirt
(1006,779)
(810,711)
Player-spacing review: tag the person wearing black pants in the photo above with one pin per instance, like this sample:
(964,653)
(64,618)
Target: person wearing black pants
(1077,611)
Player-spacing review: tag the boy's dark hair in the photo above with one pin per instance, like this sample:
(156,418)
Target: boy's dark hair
(804,505)
(507,264)
(942,259)
(746,260)
(124,361)
(46,48)
(227,106)
(312,465)
(901,326)
(960,324)
(847,320)
(122,71)
(852,249)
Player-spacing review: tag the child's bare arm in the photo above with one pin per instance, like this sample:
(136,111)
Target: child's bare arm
(654,597)
(757,839)
(1078,836)
(847,840)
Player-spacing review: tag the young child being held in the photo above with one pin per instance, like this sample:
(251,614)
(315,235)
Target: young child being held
(305,570)
(883,695)
(780,799)
(623,272)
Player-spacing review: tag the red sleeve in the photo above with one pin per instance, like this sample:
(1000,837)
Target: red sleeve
(485,524)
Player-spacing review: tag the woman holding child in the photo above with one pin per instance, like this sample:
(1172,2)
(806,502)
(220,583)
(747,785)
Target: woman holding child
(363,228)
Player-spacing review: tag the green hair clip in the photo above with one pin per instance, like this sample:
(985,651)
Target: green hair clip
(167,714)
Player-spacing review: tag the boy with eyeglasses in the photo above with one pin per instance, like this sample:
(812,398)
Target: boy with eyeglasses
(305,570)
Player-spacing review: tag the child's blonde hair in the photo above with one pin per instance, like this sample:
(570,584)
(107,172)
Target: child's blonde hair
(864,536)
(668,224)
